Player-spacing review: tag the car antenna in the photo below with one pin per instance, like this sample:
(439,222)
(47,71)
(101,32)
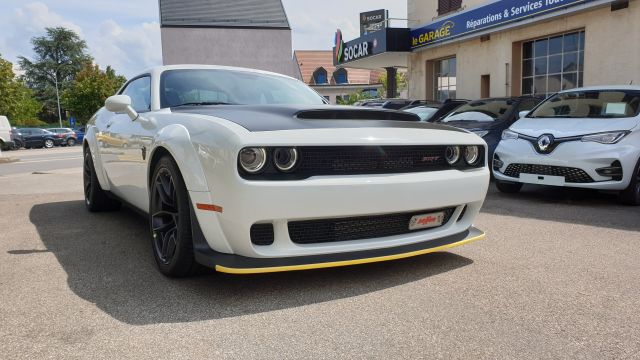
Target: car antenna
(631,83)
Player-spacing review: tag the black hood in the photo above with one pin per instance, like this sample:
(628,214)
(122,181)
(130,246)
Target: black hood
(296,117)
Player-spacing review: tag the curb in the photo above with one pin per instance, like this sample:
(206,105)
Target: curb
(4,160)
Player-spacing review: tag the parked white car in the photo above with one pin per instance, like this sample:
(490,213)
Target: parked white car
(5,134)
(246,171)
(587,138)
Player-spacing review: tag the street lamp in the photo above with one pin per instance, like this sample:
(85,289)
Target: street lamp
(58,98)
(55,79)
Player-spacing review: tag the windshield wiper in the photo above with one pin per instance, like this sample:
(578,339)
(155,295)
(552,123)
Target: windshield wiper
(203,103)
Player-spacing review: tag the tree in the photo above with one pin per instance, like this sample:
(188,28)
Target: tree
(59,55)
(89,90)
(401,81)
(16,101)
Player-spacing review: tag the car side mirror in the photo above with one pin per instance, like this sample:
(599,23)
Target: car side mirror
(121,104)
(522,114)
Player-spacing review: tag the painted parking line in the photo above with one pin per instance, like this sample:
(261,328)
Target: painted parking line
(47,160)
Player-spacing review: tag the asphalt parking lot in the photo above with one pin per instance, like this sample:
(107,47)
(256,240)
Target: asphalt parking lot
(556,278)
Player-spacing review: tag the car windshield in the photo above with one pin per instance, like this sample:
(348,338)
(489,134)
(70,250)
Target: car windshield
(481,111)
(232,87)
(424,112)
(590,104)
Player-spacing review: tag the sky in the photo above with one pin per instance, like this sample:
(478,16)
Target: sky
(126,33)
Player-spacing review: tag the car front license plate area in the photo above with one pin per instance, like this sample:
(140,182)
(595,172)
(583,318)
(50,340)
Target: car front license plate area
(426,221)
(542,179)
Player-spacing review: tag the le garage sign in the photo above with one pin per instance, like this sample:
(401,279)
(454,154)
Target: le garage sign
(495,14)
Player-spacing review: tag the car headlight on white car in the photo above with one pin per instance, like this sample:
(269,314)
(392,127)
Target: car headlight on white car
(606,138)
(509,135)
(252,160)
(471,154)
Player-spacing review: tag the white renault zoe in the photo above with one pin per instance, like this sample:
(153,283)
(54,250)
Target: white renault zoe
(587,138)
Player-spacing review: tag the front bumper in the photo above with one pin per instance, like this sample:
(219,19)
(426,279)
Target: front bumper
(586,156)
(245,203)
(236,264)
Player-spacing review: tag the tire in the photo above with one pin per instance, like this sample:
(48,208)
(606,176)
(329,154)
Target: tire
(95,199)
(631,195)
(508,187)
(170,221)
(71,142)
(48,144)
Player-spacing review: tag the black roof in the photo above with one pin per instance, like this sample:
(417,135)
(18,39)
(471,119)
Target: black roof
(223,13)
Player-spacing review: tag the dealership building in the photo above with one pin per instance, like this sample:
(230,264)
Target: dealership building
(477,48)
(335,83)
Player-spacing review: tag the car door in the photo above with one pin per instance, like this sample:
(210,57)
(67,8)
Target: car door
(26,137)
(37,138)
(124,145)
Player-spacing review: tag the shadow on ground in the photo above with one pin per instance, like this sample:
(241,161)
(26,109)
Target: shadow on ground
(108,260)
(568,205)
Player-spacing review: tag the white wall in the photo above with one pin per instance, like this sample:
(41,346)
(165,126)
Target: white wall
(264,49)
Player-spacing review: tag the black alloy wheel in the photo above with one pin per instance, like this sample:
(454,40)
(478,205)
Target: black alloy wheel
(631,195)
(164,217)
(170,221)
(87,177)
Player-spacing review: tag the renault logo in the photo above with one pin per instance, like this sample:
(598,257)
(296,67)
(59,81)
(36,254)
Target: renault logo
(544,141)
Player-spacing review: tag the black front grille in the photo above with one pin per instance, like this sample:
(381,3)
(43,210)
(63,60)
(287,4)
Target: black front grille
(356,228)
(571,175)
(262,234)
(356,160)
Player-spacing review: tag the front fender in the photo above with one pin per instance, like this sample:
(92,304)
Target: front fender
(177,141)
(90,139)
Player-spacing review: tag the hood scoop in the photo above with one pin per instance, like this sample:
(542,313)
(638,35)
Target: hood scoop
(355,114)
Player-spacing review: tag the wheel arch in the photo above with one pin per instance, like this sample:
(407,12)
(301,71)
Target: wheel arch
(174,141)
(89,143)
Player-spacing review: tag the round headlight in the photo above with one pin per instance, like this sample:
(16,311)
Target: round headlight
(253,160)
(471,154)
(285,158)
(452,155)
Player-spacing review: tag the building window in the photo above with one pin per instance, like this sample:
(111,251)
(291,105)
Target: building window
(340,76)
(447,6)
(320,76)
(553,64)
(444,76)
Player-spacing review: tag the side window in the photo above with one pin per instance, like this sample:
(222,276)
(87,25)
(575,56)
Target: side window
(139,91)
(527,105)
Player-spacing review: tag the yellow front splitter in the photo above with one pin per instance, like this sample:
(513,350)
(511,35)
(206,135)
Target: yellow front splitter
(473,236)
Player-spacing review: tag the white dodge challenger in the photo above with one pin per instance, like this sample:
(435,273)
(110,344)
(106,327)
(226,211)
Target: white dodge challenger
(247,171)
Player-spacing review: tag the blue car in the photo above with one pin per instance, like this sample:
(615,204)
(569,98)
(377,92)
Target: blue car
(489,117)
(80,134)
